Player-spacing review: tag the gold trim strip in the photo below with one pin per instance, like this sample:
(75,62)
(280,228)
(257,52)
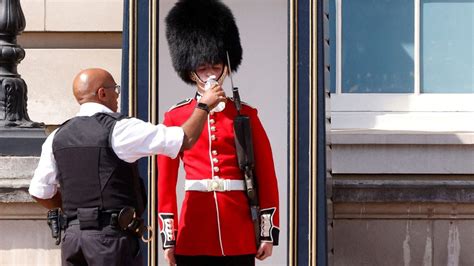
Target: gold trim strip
(293,211)
(311,191)
(152,117)
(132,56)
(313,73)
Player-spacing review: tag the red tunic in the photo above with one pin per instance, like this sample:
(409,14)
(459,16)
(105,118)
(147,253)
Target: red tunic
(216,223)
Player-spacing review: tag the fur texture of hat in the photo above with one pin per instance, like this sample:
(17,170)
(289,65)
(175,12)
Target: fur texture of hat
(199,32)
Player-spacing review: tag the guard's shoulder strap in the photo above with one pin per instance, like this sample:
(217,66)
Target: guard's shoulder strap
(182,103)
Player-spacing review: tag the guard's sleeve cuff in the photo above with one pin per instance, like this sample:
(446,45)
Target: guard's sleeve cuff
(268,231)
(168,233)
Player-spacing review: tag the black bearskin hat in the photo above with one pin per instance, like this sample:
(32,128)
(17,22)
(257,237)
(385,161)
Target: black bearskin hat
(201,31)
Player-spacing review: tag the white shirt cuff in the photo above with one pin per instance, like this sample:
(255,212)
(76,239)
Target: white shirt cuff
(174,141)
(42,192)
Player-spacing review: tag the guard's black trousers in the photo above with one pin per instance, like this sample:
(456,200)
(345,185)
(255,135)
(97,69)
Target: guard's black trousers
(107,246)
(244,260)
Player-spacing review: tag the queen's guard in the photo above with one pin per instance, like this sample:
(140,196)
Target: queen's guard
(215,226)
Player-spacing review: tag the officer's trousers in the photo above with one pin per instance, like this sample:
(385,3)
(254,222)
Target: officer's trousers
(106,246)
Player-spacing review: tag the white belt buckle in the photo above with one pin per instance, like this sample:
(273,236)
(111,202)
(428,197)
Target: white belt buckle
(215,185)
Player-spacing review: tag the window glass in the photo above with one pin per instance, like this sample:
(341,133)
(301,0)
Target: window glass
(377,46)
(447,46)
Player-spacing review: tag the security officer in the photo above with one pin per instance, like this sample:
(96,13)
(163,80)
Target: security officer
(215,226)
(92,158)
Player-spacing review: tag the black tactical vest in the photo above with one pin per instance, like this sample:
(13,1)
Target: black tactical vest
(90,173)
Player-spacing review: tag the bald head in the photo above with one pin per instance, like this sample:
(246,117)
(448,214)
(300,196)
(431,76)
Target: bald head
(88,81)
(95,85)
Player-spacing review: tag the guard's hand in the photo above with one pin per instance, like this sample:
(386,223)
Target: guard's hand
(169,256)
(213,96)
(264,251)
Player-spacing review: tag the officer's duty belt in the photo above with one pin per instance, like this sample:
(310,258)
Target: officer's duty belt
(209,185)
(105,219)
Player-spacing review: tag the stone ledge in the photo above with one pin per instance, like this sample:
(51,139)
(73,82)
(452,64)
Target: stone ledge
(21,141)
(401,152)
(15,177)
(403,210)
(22,211)
(395,191)
(15,195)
(360,136)
(17,168)
(15,183)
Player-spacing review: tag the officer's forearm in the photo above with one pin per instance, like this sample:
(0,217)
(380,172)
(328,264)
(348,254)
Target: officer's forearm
(54,202)
(193,127)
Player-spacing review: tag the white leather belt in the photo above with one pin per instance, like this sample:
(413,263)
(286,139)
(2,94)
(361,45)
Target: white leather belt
(208,185)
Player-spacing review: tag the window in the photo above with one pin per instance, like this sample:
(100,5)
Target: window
(447,46)
(377,46)
(410,60)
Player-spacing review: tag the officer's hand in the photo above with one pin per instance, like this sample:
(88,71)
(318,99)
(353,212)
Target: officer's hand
(264,251)
(213,96)
(169,256)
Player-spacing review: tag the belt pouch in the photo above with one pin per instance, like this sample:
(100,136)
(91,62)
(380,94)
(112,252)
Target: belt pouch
(88,218)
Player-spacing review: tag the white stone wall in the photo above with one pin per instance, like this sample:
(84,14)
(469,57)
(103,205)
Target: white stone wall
(61,38)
